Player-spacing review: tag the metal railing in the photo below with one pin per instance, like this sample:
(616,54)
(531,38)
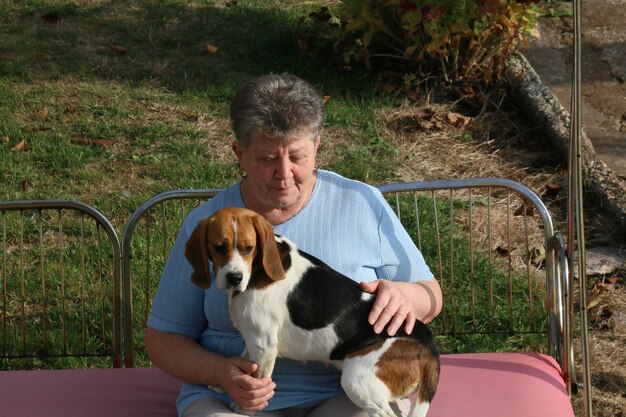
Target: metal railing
(506,225)
(161,217)
(490,242)
(61,286)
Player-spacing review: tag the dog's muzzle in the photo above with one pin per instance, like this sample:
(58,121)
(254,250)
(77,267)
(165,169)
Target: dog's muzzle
(234,278)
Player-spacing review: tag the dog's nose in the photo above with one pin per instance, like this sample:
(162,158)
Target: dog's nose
(234,278)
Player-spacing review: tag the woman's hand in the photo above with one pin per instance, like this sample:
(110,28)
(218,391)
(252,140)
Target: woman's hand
(402,302)
(250,393)
(183,358)
(391,307)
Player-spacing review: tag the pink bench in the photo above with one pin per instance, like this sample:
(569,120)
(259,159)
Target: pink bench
(471,385)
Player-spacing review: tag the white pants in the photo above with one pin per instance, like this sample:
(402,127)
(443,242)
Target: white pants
(339,406)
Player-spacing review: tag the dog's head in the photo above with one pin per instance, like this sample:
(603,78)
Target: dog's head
(239,243)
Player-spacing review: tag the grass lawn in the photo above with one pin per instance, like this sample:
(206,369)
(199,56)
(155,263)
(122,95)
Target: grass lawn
(111,102)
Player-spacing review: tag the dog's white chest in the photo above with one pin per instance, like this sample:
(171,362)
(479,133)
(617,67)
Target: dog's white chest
(262,321)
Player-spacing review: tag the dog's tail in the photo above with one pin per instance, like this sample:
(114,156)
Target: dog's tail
(427,388)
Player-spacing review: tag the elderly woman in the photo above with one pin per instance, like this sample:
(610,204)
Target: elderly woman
(278,120)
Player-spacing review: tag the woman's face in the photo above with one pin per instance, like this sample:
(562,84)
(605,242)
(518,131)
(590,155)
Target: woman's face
(279,176)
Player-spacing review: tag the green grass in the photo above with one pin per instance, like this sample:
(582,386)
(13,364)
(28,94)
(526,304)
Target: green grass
(163,105)
(472,320)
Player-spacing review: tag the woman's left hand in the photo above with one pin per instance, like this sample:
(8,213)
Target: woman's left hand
(391,307)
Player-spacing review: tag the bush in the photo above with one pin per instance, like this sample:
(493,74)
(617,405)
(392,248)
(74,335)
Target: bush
(452,40)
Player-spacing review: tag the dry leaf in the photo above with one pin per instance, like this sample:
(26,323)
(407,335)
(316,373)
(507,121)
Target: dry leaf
(525,209)
(21,145)
(4,139)
(424,114)
(538,255)
(502,251)
(51,18)
(43,113)
(211,49)
(596,296)
(102,143)
(117,49)
(613,280)
(458,120)
(326,99)
(552,191)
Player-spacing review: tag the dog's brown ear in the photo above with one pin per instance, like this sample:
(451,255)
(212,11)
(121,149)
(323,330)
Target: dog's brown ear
(197,253)
(269,251)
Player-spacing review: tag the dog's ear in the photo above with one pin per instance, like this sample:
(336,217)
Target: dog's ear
(267,248)
(197,253)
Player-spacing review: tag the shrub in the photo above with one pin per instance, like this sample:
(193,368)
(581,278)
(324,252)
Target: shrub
(452,40)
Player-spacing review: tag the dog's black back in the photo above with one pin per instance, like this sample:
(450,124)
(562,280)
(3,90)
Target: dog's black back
(323,296)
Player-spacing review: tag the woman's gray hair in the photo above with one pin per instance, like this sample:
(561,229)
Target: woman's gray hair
(280,107)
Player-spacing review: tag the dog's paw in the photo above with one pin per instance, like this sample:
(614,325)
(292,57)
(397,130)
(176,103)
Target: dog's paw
(237,409)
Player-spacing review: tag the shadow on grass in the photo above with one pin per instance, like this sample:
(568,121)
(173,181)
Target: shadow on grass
(161,44)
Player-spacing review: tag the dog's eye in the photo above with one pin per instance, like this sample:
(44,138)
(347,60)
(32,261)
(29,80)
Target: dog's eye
(246,250)
(221,249)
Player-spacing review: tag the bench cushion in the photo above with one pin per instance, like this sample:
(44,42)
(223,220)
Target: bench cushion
(117,392)
(500,384)
(471,385)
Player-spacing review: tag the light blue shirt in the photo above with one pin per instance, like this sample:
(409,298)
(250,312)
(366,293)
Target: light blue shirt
(345,223)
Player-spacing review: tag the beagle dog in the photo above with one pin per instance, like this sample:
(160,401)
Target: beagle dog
(287,303)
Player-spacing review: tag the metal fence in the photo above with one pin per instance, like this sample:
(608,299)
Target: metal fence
(61,286)
(490,242)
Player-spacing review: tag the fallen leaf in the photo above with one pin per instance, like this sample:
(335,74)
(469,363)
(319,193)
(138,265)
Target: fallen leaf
(43,113)
(424,114)
(51,18)
(4,139)
(102,143)
(326,99)
(211,49)
(525,209)
(613,280)
(596,296)
(21,145)
(458,120)
(502,251)
(118,50)
(552,191)
(537,255)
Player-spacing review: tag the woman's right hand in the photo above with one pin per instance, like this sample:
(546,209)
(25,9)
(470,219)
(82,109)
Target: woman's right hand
(250,393)
(184,359)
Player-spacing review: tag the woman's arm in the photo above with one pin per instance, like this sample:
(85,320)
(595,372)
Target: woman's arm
(186,360)
(403,302)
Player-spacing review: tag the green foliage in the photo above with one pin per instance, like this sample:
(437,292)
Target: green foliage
(469,40)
